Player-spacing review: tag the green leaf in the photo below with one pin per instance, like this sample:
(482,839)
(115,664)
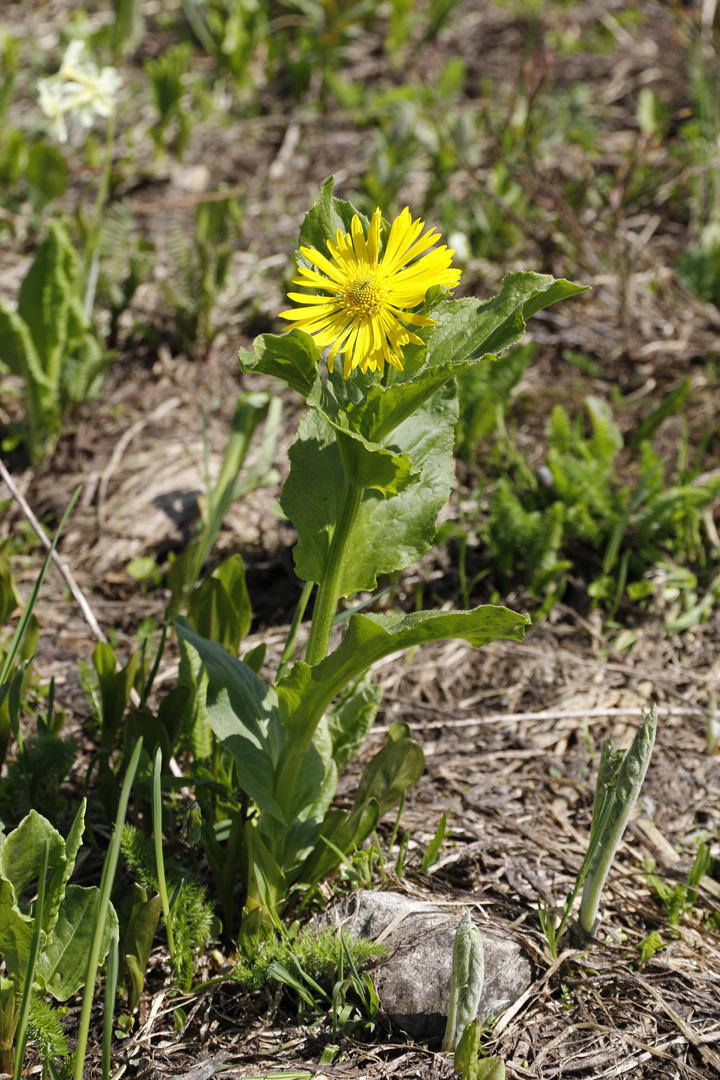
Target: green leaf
(492,1068)
(325,217)
(16,932)
(21,856)
(193,676)
(468,330)
(433,849)
(63,872)
(351,718)
(305,693)
(390,773)
(404,522)
(255,658)
(213,615)
(115,687)
(242,711)
(171,713)
(18,353)
(46,296)
(139,938)
(62,965)
(293,357)
(467,1050)
(344,832)
(47,170)
(265,883)
(231,572)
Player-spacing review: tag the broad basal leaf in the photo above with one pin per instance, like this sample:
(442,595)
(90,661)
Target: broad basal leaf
(21,856)
(62,965)
(242,711)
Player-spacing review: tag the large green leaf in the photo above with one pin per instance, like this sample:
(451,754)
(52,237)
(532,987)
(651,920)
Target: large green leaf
(390,531)
(242,711)
(16,932)
(62,965)
(63,871)
(306,692)
(21,856)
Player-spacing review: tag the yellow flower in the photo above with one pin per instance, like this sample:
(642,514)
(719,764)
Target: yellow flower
(363,314)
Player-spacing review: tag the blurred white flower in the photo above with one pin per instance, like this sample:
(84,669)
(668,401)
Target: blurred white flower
(461,245)
(79,88)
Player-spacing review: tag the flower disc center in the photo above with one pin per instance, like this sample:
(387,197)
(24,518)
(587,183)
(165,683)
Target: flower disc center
(364,296)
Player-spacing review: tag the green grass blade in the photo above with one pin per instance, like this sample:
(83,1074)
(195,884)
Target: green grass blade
(25,617)
(106,884)
(110,991)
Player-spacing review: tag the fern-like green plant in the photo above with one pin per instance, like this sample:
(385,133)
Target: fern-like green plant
(316,953)
(533,526)
(191,913)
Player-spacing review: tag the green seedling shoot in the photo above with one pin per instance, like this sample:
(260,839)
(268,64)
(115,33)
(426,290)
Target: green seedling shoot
(468,1061)
(620,778)
(618,788)
(468,975)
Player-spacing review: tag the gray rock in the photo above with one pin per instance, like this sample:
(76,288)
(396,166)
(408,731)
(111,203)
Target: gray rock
(413,982)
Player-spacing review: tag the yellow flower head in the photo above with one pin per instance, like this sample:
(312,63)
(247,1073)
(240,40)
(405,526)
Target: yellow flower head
(366,296)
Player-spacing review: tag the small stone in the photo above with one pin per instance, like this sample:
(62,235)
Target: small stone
(413,982)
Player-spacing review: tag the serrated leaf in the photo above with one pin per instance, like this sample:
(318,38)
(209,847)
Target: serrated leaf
(468,330)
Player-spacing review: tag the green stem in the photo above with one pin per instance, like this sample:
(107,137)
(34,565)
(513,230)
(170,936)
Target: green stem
(330,588)
(159,860)
(87,280)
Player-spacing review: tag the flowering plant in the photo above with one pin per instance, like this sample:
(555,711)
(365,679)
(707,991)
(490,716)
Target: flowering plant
(371,467)
(78,87)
